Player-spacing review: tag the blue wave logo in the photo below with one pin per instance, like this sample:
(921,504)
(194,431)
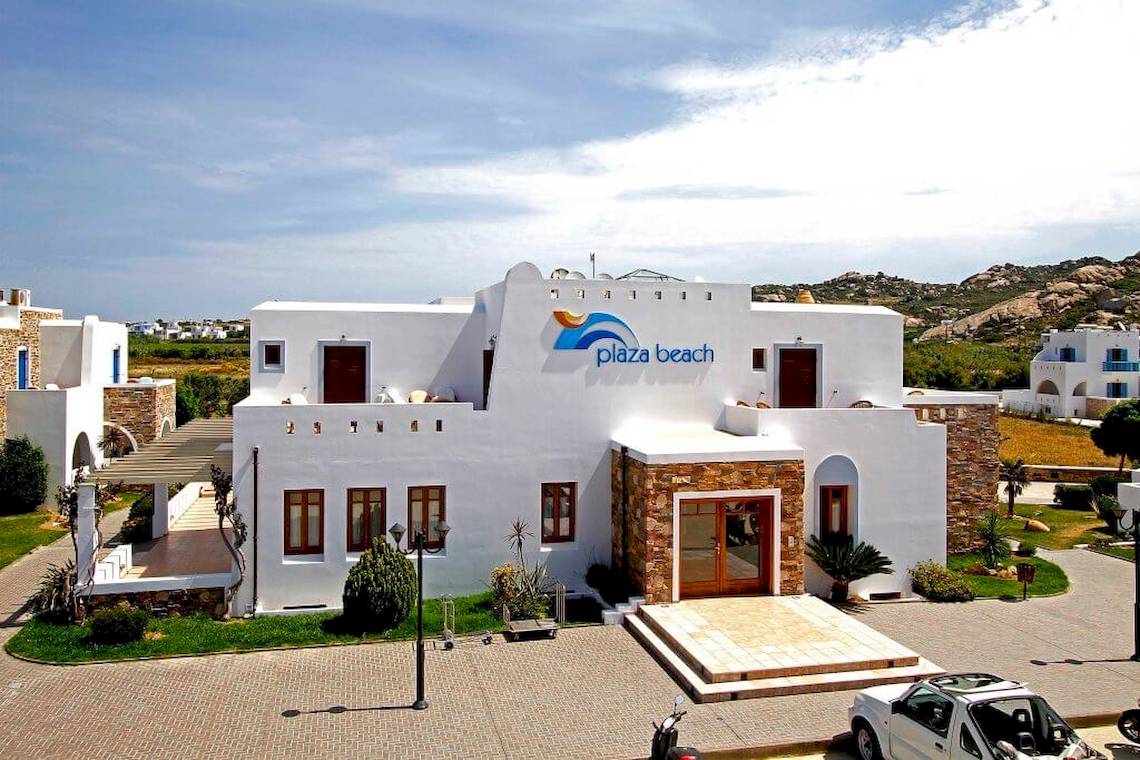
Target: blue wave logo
(581,331)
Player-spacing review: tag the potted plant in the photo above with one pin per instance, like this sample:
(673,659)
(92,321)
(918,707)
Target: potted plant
(845,561)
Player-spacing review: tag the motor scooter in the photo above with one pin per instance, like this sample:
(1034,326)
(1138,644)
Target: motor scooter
(1128,724)
(664,746)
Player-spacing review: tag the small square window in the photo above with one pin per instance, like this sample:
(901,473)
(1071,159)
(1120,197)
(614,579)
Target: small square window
(708,295)
(439,426)
(684,295)
(759,357)
(606,295)
(657,294)
(554,294)
(633,295)
(579,293)
(272,356)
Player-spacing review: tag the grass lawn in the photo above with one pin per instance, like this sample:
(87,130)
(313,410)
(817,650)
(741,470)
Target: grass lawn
(19,534)
(200,634)
(1049,443)
(1068,526)
(1124,552)
(122,501)
(1050,579)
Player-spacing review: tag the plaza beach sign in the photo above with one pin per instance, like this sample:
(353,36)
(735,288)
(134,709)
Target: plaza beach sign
(614,342)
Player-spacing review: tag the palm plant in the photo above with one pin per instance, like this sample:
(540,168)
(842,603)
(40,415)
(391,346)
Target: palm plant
(991,539)
(845,561)
(1015,477)
(54,600)
(115,443)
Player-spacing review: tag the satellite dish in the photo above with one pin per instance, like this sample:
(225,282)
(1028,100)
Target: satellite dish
(559,274)
(575,276)
(605,276)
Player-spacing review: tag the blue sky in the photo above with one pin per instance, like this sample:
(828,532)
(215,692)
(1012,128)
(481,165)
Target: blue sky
(185,159)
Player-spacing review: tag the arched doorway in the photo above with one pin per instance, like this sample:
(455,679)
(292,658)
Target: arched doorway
(1048,387)
(82,454)
(117,441)
(836,498)
(167,427)
(1081,389)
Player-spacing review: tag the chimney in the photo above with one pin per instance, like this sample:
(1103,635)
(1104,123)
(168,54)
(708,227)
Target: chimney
(20,297)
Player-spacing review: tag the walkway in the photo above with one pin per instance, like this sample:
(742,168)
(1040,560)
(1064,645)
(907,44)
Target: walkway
(590,692)
(192,546)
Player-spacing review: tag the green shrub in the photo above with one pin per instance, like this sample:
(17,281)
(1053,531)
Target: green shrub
(139,525)
(1072,497)
(504,587)
(143,507)
(53,600)
(845,561)
(1106,509)
(1104,485)
(939,584)
(23,476)
(118,625)
(1026,549)
(380,589)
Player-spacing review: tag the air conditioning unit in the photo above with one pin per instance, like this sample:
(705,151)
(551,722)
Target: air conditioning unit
(20,297)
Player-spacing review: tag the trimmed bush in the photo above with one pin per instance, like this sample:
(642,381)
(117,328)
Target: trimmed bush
(938,583)
(118,625)
(23,476)
(1072,497)
(380,589)
(1026,549)
(138,527)
(1106,509)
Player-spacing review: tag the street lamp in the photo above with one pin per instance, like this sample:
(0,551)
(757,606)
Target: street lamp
(417,544)
(1134,529)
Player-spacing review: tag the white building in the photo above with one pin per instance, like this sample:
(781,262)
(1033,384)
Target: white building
(1080,373)
(64,413)
(605,414)
(146,329)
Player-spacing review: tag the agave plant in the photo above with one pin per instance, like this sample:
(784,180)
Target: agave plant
(991,540)
(845,561)
(54,600)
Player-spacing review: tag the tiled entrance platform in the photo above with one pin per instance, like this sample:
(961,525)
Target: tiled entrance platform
(763,646)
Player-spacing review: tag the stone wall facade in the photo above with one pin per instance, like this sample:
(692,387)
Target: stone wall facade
(971,466)
(141,408)
(28,335)
(648,523)
(166,603)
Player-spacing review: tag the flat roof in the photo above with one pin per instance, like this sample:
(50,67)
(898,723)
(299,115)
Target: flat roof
(822,308)
(675,444)
(410,308)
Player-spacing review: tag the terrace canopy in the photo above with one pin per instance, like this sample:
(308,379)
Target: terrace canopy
(182,456)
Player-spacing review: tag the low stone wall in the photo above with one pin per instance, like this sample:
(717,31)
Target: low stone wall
(1065,474)
(141,408)
(971,465)
(649,515)
(1096,406)
(166,603)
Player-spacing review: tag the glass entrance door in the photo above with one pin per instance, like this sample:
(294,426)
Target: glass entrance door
(725,547)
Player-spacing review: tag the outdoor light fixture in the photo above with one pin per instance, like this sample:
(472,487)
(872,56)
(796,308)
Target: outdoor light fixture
(417,545)
(1134,529)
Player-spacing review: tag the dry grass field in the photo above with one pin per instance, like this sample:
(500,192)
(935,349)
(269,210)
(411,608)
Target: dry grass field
(153,366)
(1049,443)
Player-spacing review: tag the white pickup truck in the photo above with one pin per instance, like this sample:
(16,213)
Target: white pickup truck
(965,716)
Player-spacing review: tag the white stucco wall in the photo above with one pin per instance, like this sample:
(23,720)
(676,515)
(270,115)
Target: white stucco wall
(551,416)
(1078,379)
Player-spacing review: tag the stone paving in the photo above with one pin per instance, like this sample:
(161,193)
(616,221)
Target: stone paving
(592,691)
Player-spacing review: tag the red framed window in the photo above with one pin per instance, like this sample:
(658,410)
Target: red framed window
(559,503)
(427,506)
(367,518)
(305,521)
(759,359)
(833,512)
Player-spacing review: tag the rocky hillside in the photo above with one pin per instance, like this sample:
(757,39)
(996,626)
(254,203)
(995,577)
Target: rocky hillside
(1005,303)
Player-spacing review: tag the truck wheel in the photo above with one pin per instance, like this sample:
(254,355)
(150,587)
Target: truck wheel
(866,743)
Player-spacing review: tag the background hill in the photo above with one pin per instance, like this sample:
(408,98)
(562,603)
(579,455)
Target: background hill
(1007,303)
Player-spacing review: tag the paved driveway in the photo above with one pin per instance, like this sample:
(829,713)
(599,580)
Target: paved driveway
(590,692)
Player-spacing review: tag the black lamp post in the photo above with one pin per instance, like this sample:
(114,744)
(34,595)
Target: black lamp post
(1134,529)
(418,545)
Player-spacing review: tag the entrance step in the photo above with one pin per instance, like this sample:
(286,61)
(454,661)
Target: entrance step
(720,671)
(700,690)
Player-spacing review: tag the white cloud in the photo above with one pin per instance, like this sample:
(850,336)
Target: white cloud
(979,128)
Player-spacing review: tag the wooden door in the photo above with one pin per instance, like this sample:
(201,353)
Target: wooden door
(797,378)
(345,375)
(726,547)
